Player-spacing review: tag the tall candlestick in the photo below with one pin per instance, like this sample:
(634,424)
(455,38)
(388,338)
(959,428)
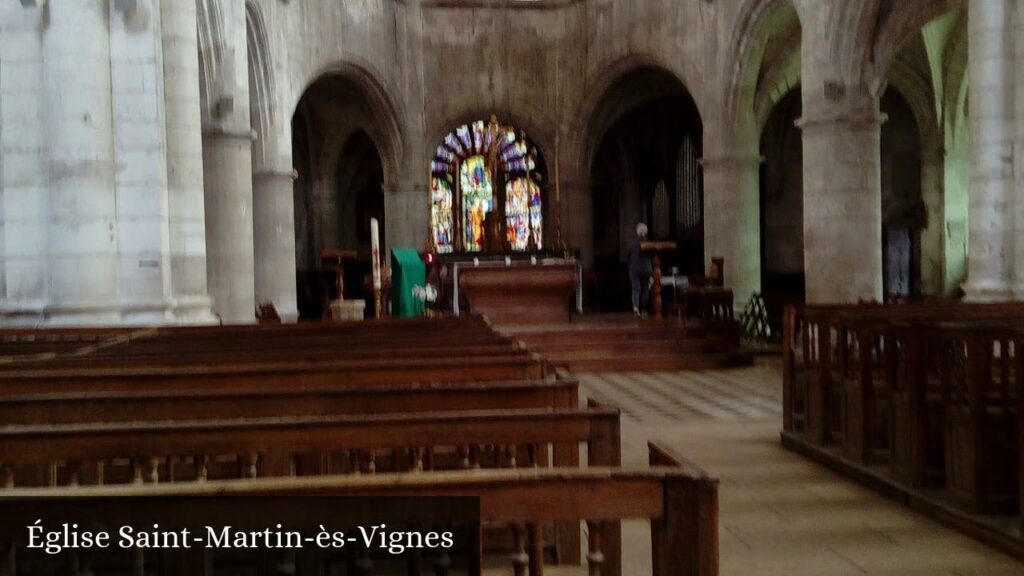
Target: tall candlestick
(375,252)
(375,256)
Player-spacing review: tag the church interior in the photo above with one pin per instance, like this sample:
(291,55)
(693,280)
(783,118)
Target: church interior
(602,287)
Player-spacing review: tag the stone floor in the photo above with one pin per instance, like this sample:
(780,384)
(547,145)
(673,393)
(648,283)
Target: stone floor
(779,513)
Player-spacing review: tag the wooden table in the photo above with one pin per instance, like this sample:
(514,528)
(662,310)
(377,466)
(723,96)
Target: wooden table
(519,293)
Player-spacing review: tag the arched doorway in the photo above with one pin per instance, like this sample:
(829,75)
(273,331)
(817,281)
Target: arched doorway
(903,212)
(782,201)
(339,188)
(647,138)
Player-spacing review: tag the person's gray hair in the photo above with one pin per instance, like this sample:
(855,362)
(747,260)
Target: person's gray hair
(641,229)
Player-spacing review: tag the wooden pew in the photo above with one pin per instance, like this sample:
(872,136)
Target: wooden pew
(266,443)
(947,382)
(820,375)
(1018,343)
(281,446)
(982,448)
(158,405)
(268,376)
(48,342)
(680,501)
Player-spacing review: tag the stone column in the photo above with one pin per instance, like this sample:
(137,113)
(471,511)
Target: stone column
(842,204)
(955,207)
(1018,272)
(230,259)
(24,162)
(577,214)
(274,240)
(992,133)
(187,217)
(407,214)
(227,173)
(932,248)
(732,221)
(82,284)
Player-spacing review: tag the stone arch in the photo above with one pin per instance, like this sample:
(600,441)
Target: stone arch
(262,88)
(903,22)
(852,29)
(584,135)
(543,137)
(387,118)
(211,52)
(744,61)
(778,81)
(955,86)
(917,92)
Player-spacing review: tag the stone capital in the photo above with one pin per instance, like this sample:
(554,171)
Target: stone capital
(275,174)
(731,161)
(229,133)
(988,290)
(841,119)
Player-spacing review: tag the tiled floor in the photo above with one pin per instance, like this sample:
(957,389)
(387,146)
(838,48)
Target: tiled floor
(779,513)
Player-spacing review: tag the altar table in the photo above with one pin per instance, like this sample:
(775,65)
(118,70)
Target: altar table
(519,292)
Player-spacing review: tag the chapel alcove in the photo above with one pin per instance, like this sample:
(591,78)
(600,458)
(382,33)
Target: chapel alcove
(645,168)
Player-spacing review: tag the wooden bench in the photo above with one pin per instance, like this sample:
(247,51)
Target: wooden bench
(105,452)
(156,405)
(271,375)
(680,501)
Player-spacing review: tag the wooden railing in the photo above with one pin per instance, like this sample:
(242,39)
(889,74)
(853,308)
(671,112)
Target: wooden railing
(931,393)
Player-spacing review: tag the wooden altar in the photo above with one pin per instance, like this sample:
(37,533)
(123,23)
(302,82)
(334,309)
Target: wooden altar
(519,292)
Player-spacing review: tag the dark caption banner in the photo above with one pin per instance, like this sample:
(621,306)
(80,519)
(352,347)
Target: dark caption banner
(238,534)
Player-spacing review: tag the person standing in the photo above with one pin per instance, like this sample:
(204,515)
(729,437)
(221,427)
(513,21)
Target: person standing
(639,270)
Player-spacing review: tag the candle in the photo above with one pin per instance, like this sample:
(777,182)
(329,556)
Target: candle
(375,252)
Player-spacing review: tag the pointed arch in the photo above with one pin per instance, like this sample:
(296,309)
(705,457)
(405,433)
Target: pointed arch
(587,132)
(748,41)
(955,87)
(386,117)
(852,29)
(901,24)
(211,50)
(262,90)
(917,92)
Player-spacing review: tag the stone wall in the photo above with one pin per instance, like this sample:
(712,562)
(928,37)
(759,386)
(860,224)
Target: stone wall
(414,69)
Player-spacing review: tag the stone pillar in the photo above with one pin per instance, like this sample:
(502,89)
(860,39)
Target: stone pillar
(992,133)
(932,247)
(274,240)
(187,218)
(955,207)
(24,161)
(230,260)
(732,221)
(82,283)
(407,217)
(577,214)
(227,173)
(1018,272)
(842,205)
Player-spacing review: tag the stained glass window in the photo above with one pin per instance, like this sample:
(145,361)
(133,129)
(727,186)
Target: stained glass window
(477,201)
(441,214)
(536,216)
(517,214)
(475,162)
(523,214)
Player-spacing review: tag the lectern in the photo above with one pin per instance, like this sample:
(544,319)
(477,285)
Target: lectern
(654,249)
(340,309)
